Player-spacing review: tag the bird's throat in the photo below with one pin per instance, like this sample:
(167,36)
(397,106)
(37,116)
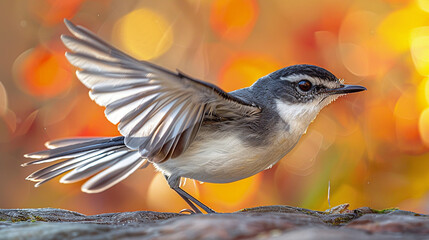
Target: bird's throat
(297,116)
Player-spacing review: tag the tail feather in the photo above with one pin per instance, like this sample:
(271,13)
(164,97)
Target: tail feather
(68,164)
(73,150)
(116,173)
(40,174)
(70,141)
(82,158)
(90,168)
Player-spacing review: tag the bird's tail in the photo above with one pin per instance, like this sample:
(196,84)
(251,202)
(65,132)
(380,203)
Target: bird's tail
(106,157)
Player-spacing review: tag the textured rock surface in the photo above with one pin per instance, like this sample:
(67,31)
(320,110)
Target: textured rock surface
(271,222)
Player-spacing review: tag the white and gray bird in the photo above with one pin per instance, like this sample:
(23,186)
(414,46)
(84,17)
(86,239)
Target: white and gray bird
(185,127)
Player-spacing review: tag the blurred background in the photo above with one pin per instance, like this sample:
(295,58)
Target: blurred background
(372,147)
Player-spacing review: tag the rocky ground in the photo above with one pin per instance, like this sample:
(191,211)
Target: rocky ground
(270,222)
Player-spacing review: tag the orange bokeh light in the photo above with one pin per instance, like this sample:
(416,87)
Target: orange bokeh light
(233,20)
(53,11)
(94,122)
(43,73)
(243,70)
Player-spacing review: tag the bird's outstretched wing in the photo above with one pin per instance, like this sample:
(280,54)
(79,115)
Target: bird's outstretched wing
(159,111)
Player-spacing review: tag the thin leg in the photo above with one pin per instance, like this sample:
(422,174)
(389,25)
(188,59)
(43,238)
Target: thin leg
(189,198)
(174,182)
(196,210)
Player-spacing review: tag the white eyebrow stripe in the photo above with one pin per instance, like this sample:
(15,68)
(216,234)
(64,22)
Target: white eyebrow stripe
(313,80)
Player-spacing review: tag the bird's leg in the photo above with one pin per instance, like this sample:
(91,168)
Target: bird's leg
(174,183)
(190,200)
(196,210)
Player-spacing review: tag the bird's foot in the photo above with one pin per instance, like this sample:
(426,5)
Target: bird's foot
(188,211)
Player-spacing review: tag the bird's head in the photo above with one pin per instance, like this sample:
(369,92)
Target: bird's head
(301,91)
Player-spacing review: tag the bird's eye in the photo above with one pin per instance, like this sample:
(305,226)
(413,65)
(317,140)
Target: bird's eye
(304,85)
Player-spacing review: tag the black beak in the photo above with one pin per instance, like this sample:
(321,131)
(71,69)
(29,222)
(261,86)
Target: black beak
(347,89)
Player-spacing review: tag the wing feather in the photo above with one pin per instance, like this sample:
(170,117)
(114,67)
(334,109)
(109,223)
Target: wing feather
(90,78)
(159,112)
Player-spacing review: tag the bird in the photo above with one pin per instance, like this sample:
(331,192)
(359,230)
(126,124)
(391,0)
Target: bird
(183,126)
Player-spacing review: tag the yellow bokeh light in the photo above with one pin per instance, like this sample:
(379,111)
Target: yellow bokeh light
(424,126)
(424,5)
(397,27)
(230,195)
(422,94)
(420,50)
(144,33)
(427,90)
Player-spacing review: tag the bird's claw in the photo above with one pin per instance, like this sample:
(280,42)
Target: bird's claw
(187,211)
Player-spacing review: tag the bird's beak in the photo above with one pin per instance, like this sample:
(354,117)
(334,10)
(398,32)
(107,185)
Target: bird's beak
(347,89)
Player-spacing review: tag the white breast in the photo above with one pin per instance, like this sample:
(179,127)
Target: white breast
(224,159)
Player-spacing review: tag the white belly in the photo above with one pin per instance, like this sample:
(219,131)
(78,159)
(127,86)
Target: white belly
(224,160)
